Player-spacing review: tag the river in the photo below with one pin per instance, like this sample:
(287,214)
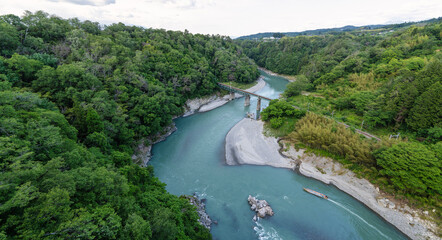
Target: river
(191,160)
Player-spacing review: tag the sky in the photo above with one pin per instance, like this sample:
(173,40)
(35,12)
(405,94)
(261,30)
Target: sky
(234,17)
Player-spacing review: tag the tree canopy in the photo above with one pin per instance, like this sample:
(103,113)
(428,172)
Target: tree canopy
(75,97)
(385,81)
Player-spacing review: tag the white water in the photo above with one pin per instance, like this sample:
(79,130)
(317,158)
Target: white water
(360,218)
(264,234)
(192,160)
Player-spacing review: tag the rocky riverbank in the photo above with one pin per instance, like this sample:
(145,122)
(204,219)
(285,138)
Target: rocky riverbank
(246,144)
(143,151)
(201,210)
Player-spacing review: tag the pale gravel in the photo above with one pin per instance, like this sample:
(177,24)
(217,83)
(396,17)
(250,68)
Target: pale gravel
(246,144)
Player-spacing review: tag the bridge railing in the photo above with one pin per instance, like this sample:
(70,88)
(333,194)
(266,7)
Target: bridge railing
(240,91)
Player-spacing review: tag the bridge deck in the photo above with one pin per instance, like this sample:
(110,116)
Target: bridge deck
(240,91)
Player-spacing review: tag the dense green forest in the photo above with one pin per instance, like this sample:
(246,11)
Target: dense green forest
(383,82)
(75,97)
(389,80)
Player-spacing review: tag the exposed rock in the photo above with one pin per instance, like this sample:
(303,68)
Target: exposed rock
(201,210)
(159,137)
(382,202)
(407,209)
(193,105)
(407,221)
(391,205)
(142,153)
(261,207)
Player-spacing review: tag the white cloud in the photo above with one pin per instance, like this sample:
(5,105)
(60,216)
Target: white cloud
(87,2)
(185,3)
(234,17)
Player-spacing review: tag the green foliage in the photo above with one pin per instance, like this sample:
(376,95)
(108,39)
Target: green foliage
(358,102)
(434,134)
(278,35)
(53,187)
(412,168)
(137,228)
(65,150)
(389,79)
(121,81)
(93,121)
(295,88)
(280,109)
(321,133)
(23,68)
(426,112)
(9,39)
(384,77)
(276,122)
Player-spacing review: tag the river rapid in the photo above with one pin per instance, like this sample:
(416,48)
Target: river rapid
(192,160)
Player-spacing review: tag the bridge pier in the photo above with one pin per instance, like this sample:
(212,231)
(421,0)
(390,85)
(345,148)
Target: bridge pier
(247,101)
(247,94)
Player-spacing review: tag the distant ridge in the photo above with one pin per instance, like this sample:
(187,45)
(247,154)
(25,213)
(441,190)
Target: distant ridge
(347,28)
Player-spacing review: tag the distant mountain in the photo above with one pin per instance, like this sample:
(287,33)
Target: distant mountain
(347,28)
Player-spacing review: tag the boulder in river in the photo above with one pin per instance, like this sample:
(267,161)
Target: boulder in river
(261,207)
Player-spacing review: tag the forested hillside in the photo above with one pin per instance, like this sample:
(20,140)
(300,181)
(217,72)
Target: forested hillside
(371,28)
(389,80)
(386,84)
(74,99)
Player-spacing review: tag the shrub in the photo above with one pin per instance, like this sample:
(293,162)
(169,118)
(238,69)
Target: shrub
(279,109)
(276,122)
(411,167)
(321,133)
(295,88)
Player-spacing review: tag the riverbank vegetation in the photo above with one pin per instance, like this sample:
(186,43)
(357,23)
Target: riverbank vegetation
(75,97)
(386,82)
(239,85)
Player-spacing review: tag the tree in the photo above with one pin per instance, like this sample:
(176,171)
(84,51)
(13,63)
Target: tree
(411,168)
(426,112)
(24,67)
(296,87)
(93,121)
(137,228)
(164,226)
(278,35)
(280,109)
(9,40)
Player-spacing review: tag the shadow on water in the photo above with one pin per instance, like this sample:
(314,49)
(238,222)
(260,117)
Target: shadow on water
(233,221)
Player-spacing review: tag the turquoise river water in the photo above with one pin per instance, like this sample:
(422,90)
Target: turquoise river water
(191,160)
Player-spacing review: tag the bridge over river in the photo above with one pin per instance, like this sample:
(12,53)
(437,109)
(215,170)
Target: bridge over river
(191,160)
(247,94)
